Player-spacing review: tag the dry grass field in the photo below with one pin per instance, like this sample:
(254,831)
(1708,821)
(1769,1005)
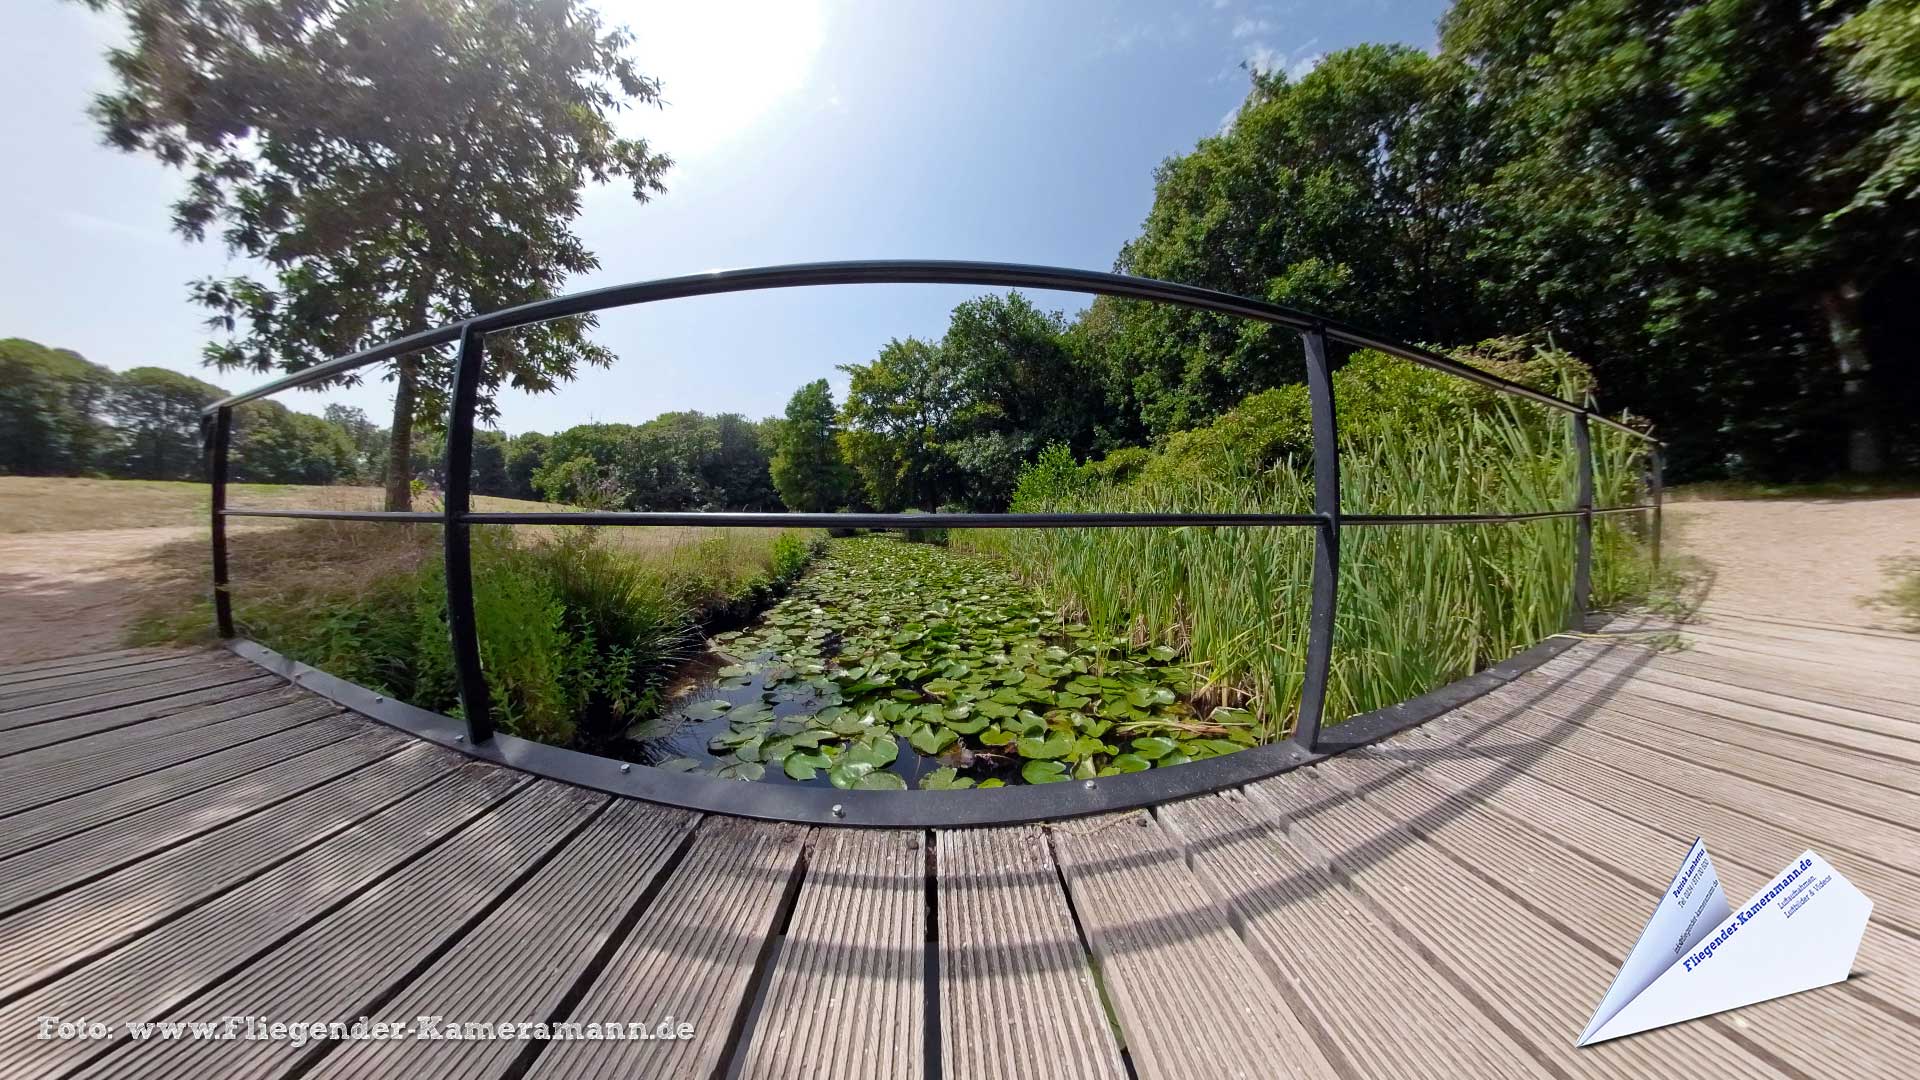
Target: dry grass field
(79,557)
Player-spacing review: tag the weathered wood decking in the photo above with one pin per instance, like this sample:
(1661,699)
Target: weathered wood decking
(184,838)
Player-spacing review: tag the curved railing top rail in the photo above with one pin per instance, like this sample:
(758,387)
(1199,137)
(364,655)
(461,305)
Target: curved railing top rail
(923,808)
(906,272)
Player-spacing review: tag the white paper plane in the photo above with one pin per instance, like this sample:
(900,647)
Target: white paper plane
(1697,956)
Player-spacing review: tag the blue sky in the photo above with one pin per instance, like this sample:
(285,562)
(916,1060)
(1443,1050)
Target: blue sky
(1019,132)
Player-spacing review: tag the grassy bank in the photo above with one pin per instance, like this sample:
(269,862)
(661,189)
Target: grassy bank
(31,504)
(579,628)
(1418,606)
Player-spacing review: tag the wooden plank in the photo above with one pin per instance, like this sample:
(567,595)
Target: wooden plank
(1017,994)
(340,967)
(207,670)
(80,706)
(1832,829)
(76,925)
(167,967)
(1162,946)
(522,961)
(69,778)
(33,874)
(1385,1009)
(691,957)
(103,806)
(1747,831)
(1488,940)
(82,661)
(1846,692)
(1686,690)
(1611,836)
(39,681)
(1780,745)
(848,993)
(1564,886)
(1784,762)
(20,740)
(83,745)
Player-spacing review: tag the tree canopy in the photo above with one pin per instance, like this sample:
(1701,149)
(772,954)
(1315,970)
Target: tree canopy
(391,164)
(807,468)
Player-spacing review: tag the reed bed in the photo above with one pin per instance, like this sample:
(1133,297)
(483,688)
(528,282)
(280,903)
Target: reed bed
(1418,605)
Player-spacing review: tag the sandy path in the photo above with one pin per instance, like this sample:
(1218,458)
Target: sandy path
(1816,559)
(72,592)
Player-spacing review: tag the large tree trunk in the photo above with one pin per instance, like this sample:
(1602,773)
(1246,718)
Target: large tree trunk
(400,438)
(1842,308)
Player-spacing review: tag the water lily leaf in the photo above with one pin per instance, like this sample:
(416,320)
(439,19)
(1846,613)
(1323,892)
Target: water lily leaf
(878,751)
(881,781)
(931,740)
(1162,653)
(681,764)
(993,736)
(940,687)
(734,671)
(1055,744)
(1127,763)
(1154,747)
(846,772)
(968,726)
(1175,758)
(945,779)
(1085,770)
(803,766)
(993,783)
(1067,700)
(745,770)
(1043,772)
(706,710)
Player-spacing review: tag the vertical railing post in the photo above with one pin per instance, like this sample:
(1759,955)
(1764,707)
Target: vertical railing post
(459,545)
(1656,489)
(218,432)
(1326,540)
(1583,525)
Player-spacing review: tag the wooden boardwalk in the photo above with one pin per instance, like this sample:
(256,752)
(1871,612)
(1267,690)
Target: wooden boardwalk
(183,838)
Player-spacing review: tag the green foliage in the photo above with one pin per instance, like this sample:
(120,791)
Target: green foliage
(50,405)
(158,414)
(676,461)
(1345,193)
(902,658)
(807,468)
(1417,607)
(1880,42)
(272,444)
(442,185)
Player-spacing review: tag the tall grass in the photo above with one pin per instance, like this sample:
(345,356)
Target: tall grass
(580,628)
(1418,606)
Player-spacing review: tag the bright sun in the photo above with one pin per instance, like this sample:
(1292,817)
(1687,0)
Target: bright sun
(721,65)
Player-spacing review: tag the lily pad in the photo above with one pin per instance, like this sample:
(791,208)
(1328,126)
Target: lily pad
(803,766)
(1043,772)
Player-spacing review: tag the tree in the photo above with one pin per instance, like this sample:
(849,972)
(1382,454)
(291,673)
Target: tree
(369,440)
(1678,191)
(1345,192)
(490,463)
(394,164)
(50,405)
(158,413)
(272,444)
(807,467)
(898,407)
(1013,364)
(526,453)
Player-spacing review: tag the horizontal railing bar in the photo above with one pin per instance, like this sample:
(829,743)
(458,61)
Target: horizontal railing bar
(753,520)
(1453,519)
(342,515)
(743,520)
(340,365)
(907,272)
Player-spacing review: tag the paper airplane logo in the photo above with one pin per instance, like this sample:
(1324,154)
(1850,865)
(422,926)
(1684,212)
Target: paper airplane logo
(1697,956)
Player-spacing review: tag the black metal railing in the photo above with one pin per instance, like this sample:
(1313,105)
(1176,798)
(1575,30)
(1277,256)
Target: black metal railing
(1327,518)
